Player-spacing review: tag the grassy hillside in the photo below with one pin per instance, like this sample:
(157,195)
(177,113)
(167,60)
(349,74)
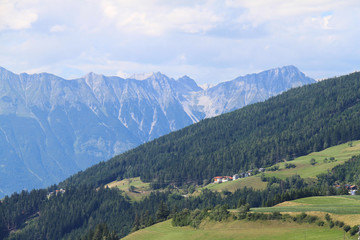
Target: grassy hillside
(342,208)
(238,230)
(253,182)
(340,153)
(295,123)
(134,188)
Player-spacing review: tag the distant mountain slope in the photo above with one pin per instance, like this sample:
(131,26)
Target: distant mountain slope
(252,88)
(295,123)
(51,128)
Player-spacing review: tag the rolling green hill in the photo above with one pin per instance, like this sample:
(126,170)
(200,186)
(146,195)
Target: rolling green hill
(342,208)
(232,230)
(134,188)
(325,161)
(295,123)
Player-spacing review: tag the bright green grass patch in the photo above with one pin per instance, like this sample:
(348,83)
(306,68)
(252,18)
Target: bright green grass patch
(140,189)
(341,153)
(329,204)
(253,182)
(126,183)
(259,230)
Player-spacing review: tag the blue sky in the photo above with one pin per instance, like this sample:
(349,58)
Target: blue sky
(208,40)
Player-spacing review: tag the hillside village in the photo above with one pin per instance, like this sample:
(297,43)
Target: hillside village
(351,188)
(221,179)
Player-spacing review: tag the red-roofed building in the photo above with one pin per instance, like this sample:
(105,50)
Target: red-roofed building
(218,179)
(221,179)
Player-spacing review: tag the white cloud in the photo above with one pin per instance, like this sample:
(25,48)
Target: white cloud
(58,28)
(209,40)
(16,15)
(159,17)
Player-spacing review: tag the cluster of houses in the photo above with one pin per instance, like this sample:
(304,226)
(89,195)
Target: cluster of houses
(351,188)
(60,191)
(221,179)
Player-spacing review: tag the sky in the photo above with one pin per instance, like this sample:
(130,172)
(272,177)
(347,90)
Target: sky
(210,41)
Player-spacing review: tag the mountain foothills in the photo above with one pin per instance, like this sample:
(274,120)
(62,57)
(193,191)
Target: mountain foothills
(297,122)
(51,128)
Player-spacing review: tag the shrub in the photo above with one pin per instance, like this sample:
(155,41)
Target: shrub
(276,215)
(273,168)
(290,165)
(243,210)
(320,223)
(346,228)
(311,219)
(354,230)
(195,218)
(182,218)
(313,161)
(339,224)
(219,213)
(302,216)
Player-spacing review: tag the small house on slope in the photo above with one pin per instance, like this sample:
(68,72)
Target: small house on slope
(221,179)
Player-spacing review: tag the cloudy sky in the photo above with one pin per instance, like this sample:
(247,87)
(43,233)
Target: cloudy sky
(208,40)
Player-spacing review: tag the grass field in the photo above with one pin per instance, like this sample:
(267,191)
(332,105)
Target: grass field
(140,189)
(343,208)
(341,153)
(254,182)
(259,230)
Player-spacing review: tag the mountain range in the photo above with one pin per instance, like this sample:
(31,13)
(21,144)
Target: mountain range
(51,127)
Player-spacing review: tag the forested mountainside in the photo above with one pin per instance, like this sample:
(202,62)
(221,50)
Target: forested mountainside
(295,123)
(51,128)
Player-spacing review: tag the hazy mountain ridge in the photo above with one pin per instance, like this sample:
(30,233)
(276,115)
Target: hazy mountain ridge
(51,127)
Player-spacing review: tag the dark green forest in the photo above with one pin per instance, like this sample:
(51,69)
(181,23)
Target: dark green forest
(292,124)
(295,123)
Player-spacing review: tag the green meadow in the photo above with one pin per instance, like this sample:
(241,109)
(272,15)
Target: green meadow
(329,204)
(134,188)
(254,182)
(340,153)
(233,229)
(343,208)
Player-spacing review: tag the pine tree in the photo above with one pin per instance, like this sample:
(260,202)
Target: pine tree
(162,213)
